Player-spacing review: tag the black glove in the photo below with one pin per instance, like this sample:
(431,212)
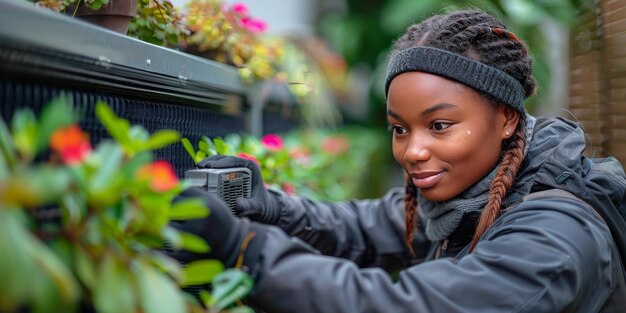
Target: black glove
(223,232)
(262,206)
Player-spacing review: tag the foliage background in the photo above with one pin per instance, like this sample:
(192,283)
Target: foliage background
(364,32)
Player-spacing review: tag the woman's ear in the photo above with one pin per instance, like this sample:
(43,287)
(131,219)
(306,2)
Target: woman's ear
(507,120)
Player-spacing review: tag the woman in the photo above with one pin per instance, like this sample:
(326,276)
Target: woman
(471,232)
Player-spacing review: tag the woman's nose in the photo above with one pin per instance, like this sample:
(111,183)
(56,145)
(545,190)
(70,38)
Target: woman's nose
(416,151)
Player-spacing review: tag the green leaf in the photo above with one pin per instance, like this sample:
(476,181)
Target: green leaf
(190,208)
(220,146)
(228,287)
(4,168)
(161,139)
(205,297)
(39,185)
(201,272)
(85,268)
(15,267)
(138,136)
(31,261)
(166,263)
(200,156)
(158,293)
(240,309)
(172,236)
(203,145)
(74,208)
(155,207)
(150,240)
(56,114)
(24,128)
(234,141)
(193,243)
(206,145)
(97,4)
(172,38)
(103,180)
(189,148)
(6,145)
(45,297)
(115,290)
(117,128)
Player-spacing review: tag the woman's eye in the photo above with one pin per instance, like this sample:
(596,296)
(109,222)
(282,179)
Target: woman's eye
(397,130)
(439,126)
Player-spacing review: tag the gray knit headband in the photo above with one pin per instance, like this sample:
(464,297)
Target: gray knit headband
(484,78)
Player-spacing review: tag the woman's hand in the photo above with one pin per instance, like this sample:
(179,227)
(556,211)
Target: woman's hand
(262,206)
(220,229)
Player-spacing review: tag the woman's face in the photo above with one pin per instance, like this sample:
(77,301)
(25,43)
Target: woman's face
(445,134)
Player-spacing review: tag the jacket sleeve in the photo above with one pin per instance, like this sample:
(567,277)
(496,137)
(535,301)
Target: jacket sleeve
(368,232)
(538,257)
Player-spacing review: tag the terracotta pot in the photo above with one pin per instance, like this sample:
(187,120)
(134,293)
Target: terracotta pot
(116,15)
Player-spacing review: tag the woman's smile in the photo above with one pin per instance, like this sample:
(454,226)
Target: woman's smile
(425,180)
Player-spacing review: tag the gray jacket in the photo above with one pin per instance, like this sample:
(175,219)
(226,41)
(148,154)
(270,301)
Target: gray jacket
(543,255)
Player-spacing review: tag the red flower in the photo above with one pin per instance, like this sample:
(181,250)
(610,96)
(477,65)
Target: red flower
(336,145)
(71,143)
(272,142)
(247,156)
(160,174)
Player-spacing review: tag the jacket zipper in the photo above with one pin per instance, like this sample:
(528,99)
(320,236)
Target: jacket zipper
(441,252)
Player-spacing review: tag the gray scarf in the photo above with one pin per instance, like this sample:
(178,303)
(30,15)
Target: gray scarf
(445,216)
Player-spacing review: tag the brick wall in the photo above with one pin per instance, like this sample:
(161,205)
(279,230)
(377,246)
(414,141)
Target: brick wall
(598,77)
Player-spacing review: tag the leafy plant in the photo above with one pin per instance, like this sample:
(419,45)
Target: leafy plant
(158,22)
(61,5)
(229,34)
(83,228)
(320,164)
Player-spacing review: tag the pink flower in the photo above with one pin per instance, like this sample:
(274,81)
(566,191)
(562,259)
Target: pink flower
(289,189)
(160,174)
(240,8)
(253,25)
(71,143)
(303,156)
(272,142)
(247,156)
(336,145)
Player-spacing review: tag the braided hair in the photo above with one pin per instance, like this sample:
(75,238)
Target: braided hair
(483,38)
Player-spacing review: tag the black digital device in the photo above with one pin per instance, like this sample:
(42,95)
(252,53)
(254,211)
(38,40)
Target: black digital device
(227,183)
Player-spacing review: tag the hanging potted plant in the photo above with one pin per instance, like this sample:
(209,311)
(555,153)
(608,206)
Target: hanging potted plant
(114,15)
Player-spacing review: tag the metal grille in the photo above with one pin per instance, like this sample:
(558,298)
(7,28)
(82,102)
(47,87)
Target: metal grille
(233,187)
(191,122)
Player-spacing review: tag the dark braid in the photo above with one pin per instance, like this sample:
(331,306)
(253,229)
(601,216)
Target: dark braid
(481,37)
(503,181)
(410,217)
